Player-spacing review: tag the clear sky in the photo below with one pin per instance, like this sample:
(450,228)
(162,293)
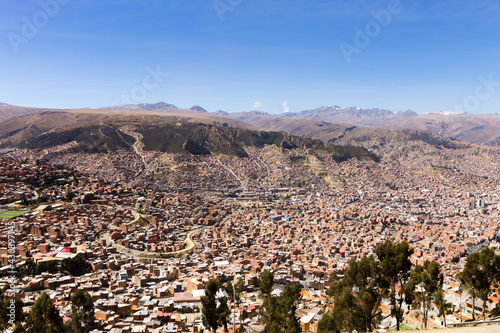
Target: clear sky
(235,55)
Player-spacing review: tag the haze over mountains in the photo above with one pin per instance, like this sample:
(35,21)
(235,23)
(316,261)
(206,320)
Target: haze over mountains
(352,115)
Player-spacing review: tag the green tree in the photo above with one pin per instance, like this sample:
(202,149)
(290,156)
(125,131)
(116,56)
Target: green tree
(273,328)
(74,266)
(293,325)
(279,313)
(223,312)
(238,288)
(70,196)
(288,303)
(269,314)
(395,268)
(209,305)
(11,313)
(28,269)
(266,283)
(328,324)
(347,311)
(489,263)
(360,310)
(44,317)
(442,305)
(88,198)
(230,291)
(47,266)
(480,273)
(428,279)
(468,278)
(82,319)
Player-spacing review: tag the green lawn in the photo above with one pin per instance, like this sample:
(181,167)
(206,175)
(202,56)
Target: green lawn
(405,327)
(11,214)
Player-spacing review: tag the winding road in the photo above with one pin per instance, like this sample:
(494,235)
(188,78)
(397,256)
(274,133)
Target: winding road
(190,244)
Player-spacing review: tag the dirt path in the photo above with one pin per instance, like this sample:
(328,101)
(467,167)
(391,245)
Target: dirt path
(232,172)
(137,146)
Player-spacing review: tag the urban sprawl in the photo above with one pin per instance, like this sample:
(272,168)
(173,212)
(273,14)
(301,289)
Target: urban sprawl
(149,236)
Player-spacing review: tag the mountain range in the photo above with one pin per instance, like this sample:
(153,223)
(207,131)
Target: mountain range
(481,129)
(390,134)
(187,131)
(353,115)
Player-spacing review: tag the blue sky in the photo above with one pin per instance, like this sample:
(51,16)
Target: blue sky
(429,55)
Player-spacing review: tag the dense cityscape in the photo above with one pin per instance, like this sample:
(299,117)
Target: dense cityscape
(147,235)
(232,166)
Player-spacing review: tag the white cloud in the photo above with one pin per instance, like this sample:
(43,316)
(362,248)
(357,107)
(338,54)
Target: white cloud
(256,105)
(286,108)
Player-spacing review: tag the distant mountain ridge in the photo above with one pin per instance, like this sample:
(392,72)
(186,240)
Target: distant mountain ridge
(8,111)
(480,129)
(189,131)
(160,106)
(104,133)
(198,108)
(325,123)
(351,115)
(392,144)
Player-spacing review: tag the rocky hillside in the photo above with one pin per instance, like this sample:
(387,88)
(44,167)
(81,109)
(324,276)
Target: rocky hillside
(384,142)
(481,129)
(9,111)
(100,133)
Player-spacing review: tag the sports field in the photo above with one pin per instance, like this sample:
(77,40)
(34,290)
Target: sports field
(10,214)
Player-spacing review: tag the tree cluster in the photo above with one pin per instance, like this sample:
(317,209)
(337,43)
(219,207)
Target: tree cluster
(279,312)
(391,275)
(358,310)
(480,273)
(214,309)
(11,312)
(44,316)
(75,266)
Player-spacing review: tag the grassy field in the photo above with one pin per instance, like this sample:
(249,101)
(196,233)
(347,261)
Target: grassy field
(405,327)
(11,214)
